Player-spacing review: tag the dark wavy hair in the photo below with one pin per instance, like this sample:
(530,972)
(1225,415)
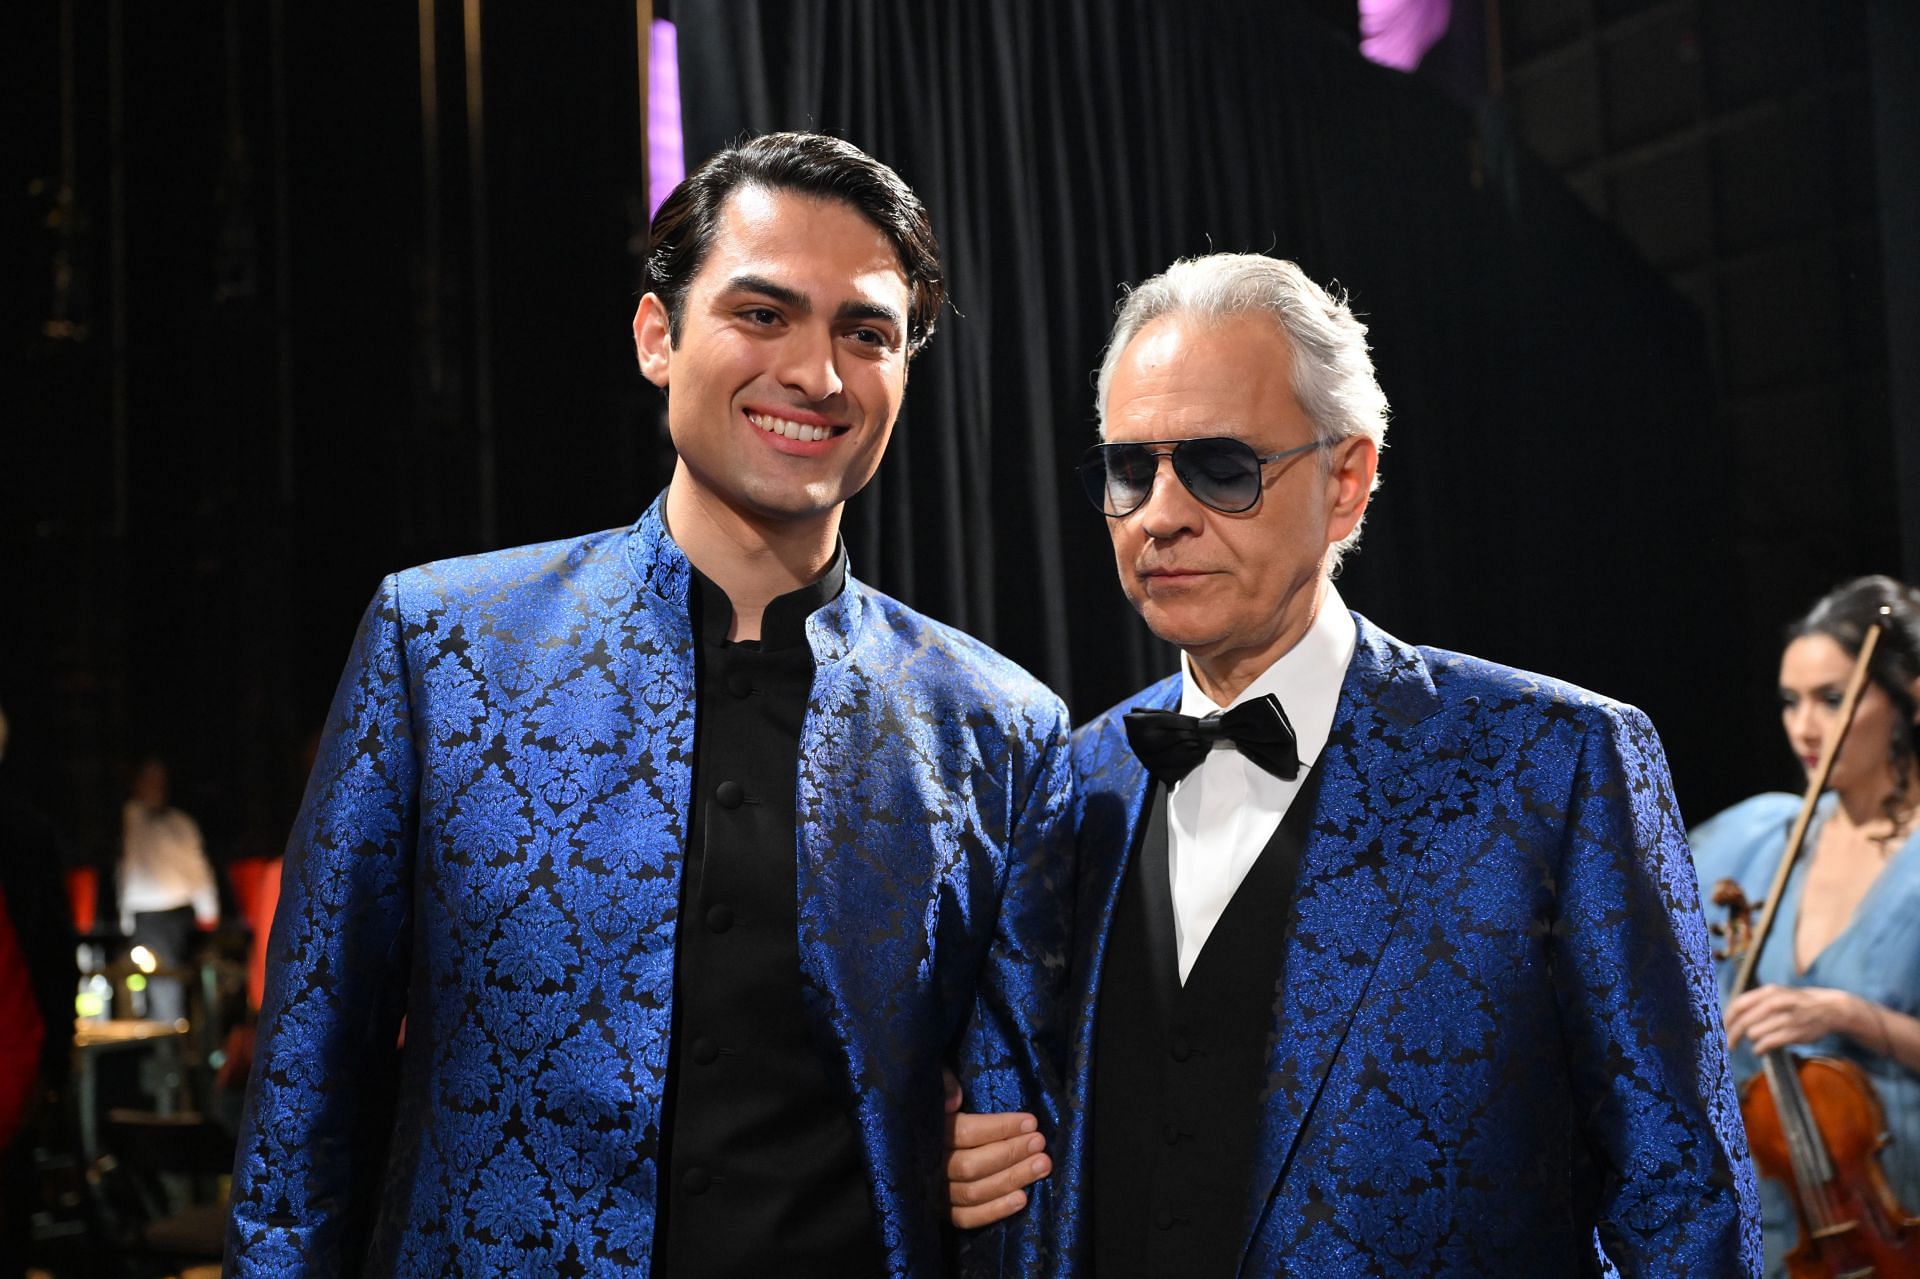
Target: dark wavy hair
(811,164)
(1844,616)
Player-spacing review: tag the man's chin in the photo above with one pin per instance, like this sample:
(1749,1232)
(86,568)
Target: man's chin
(776,504)
(1185,627)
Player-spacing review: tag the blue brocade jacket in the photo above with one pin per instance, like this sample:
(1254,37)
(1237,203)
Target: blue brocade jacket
(464,1041)
(1497,1033)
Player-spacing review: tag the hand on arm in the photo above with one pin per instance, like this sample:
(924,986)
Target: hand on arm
(991,1159)
(1009,1057)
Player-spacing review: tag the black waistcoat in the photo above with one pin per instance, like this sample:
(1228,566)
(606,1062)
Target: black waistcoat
(1180,1072)
(764,1173)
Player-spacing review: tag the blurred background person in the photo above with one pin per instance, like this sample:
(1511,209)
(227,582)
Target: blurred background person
(167,887)
(1839,975)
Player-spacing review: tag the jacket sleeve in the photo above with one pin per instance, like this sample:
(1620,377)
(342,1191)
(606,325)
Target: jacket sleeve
(1012,1054)
(1642,1020)
(309,1161)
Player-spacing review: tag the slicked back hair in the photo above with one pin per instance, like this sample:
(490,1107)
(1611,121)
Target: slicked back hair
(810,164)
(1332,374)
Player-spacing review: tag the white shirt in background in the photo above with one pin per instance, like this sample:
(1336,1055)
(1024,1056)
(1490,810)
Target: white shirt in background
(163,865)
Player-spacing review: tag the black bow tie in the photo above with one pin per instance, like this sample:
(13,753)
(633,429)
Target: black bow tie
(1172,745)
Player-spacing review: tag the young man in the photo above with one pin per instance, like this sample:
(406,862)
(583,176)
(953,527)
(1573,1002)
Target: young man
(687,859)
(1388,960)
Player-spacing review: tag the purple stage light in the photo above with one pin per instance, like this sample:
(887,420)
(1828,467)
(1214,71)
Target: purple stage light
(1398,33)
(666,146)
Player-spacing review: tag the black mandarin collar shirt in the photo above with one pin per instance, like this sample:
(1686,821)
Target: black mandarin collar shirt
(765,1173)
(783,625)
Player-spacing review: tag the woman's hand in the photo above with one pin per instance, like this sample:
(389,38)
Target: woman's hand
(1770,1017)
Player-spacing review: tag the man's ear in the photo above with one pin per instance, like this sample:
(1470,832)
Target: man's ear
(653,340)
(1350,481)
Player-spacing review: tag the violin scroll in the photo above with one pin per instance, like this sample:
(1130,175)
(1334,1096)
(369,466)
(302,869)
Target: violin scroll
(1738,930)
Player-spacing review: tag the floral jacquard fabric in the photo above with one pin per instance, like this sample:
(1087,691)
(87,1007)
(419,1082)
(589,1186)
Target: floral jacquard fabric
(1496,1048)
(464,1043)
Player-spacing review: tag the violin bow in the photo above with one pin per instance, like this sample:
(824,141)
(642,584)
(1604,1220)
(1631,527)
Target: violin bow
(1816,786)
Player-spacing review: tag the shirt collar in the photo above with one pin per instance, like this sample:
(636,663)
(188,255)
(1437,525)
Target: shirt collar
(1306,678)
(784,623)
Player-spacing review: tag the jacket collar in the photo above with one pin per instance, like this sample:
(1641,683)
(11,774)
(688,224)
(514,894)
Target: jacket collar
(665,573)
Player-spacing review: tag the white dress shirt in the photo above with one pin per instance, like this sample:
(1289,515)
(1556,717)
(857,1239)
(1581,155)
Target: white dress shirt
(163,865)
(1221,815)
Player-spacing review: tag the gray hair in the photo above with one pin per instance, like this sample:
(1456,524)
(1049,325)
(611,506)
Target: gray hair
(1332,374)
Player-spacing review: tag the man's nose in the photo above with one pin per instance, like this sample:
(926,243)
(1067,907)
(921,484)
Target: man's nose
(807,363)
(1169,509)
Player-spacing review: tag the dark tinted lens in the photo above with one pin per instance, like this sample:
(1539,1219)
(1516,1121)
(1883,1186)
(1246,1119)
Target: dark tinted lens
(1224,473)
(1117,477)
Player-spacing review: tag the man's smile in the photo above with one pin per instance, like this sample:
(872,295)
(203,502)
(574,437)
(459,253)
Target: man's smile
(796,432)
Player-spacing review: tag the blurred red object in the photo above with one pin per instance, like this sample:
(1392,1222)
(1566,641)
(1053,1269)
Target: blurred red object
(256,886)
(83,895)
(20,1046)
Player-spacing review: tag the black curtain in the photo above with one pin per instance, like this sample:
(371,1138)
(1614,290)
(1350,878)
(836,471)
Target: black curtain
(1553,489)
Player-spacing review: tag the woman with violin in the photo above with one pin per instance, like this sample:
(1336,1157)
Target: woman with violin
(1824,1019)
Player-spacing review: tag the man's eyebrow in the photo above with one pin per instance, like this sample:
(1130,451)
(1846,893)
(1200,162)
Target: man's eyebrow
(798,302)
(868,311)
(793,299)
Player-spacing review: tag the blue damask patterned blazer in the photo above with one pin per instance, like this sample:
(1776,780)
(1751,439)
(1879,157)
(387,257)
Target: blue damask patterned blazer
(491,846)
(1497,1029)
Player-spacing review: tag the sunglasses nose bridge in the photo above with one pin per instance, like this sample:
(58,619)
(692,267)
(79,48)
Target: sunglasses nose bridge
(1180,490)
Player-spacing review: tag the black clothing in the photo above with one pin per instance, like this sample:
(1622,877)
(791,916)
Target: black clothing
(1180,1072)
(763,1167)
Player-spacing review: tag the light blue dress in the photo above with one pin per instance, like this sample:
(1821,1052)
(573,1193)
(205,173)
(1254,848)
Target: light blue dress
(1877,956)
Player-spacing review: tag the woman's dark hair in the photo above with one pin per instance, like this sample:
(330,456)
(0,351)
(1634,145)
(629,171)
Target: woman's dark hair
(1844,616)
(812,164)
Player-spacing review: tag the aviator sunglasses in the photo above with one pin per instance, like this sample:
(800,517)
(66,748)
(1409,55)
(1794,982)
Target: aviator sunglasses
(1220,471)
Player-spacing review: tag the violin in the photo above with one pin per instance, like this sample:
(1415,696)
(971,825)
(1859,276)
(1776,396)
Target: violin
(1815,1124)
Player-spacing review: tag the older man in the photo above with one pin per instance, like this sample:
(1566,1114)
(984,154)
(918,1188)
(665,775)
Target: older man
(1389,959)
(688,859)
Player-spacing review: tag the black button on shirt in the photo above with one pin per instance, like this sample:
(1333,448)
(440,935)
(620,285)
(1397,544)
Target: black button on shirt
(765,1173)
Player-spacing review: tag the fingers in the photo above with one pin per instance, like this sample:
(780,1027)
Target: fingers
(1758,1004)
(991,1168)
(986,1214)
(950,1099)
(989,1183)
(970,1131)
(1771,1017)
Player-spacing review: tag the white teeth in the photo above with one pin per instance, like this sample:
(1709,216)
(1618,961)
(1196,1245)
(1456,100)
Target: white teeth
(791,430)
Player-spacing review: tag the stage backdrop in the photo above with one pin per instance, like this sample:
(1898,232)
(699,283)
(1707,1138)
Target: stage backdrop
(1553,491)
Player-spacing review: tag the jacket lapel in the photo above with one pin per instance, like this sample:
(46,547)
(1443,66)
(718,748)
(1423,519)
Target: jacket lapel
(1382,772)
(1112,789)
(1114,792)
